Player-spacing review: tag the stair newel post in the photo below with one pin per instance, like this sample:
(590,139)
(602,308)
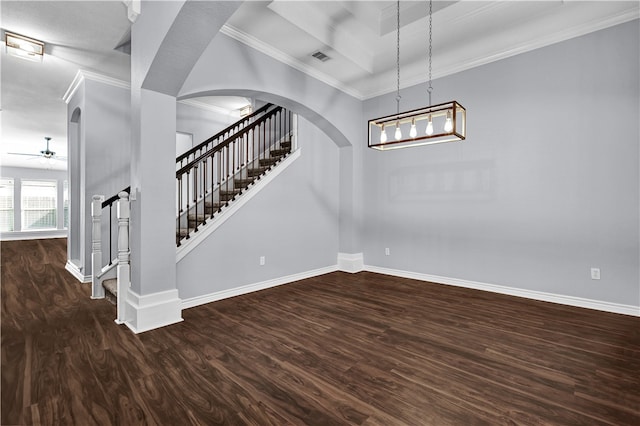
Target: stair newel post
(123,268)
(97,291)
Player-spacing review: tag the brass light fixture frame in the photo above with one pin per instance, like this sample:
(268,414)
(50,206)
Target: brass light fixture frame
(446,122)
(420,118)
(24,47)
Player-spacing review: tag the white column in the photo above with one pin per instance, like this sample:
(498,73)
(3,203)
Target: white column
(97,291)
(123,268)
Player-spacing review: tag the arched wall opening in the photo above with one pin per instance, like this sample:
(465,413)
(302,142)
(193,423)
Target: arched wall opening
(75,249)
(309,114)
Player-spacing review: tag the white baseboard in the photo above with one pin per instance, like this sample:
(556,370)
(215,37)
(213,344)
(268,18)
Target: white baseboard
(151,311)
(73,269)
(350,262)
(250,288)
(33,235)
(227,212)
(528,294)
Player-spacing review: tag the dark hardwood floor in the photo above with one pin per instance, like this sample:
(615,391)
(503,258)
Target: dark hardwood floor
(361,349)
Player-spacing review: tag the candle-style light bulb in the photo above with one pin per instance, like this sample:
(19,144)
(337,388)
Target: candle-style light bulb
(383,135)
(398,134)
(429,131)
(448,124)
(413,132)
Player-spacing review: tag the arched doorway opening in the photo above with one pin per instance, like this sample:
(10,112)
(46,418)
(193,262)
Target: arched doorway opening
(75,249)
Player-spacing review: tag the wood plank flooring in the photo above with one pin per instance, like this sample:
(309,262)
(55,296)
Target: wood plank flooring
(339,349)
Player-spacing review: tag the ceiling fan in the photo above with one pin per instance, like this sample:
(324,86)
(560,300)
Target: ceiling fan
(45,156)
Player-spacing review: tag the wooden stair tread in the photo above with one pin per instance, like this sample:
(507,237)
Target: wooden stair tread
(257,171)
(279,152)
(267,161)
(243,183)
(230,191)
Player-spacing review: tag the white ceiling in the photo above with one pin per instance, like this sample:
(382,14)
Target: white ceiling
(358,36)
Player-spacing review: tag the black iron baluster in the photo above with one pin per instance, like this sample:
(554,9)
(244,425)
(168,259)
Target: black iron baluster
(204,191)
(195,196)
(212,180)
(187,206)
(110,234)
(227,181)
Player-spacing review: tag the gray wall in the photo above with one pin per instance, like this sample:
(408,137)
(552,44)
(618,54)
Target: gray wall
(248,72)
(104,150)
(293,222)
(545,187)
(199,122)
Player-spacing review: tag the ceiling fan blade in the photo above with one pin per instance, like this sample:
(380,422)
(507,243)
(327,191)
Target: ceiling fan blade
(22,153)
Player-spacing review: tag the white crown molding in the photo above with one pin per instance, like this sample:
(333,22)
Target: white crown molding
(250,288)
(599,305)
(549,39)
(213,108)
(83,75)
(540,42)
(133,9)
(280,56)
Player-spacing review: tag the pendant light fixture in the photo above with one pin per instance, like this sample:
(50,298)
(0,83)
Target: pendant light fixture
(446,122)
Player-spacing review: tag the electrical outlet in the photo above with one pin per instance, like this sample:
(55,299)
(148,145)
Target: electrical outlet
(595,273)
(387,252)
(263,260)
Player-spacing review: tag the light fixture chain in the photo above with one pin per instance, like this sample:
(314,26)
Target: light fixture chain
(398,57)
(430,88)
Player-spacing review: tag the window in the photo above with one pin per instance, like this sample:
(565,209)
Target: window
(65,204)
(38,204)
(6,205)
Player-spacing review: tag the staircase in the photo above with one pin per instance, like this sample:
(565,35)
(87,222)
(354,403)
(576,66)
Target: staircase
(214,174)
(209,178)
(227,195)
(116,274)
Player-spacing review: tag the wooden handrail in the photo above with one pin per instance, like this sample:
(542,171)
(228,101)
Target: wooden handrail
(111,200)
(221,133)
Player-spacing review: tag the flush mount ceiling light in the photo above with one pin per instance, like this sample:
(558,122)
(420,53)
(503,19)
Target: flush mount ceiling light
(445,122)
(24,47)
